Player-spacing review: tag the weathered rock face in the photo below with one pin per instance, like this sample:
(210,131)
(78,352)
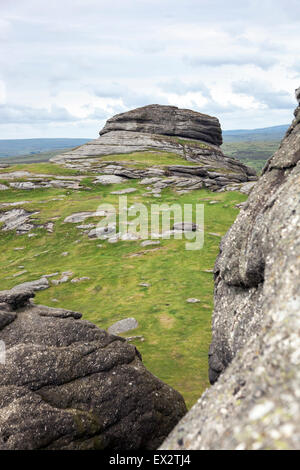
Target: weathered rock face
(256,322)
(167,120)
(159,129)
(66,384)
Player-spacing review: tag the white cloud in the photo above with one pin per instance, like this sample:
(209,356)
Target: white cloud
(92,58)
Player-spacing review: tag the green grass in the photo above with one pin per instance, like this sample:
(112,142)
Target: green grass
(177,334)
(146,159)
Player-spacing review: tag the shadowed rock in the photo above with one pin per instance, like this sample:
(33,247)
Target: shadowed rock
(167,120)
(66,384)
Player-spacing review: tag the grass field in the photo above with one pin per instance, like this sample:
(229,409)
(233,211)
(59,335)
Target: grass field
(176,333)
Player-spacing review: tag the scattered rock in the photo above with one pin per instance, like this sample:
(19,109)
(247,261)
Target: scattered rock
(109,179)
(80,279)
(124,191)
(64,278)
(3,187)
(123,326)
(246,188)
(39,284)
(16,219)
(81,216)
(20,273)
(135,338)
(13,204)
(185,227)
(193,301)
(150,242)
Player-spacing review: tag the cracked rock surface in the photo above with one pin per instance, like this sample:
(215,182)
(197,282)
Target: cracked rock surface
(66,384)
(254,357)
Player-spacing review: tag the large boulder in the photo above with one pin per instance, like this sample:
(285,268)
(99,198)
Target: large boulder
(255,352)
(66,384)
(167,120)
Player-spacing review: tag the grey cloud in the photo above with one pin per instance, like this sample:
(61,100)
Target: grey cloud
(181,88)
(262,93)
(28,115)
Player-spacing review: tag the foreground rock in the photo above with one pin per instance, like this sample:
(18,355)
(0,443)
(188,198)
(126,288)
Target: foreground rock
(256,322)
(167,120)
(66,384)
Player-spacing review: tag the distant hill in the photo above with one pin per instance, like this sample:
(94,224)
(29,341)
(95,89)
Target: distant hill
(13,148)
(275,133)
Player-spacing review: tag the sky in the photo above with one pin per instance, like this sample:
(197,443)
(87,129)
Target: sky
(68,65)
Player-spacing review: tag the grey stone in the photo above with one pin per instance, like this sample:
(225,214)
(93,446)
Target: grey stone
(109,179)
(37,285)
(80,279)
(150,242)
(124,191)
(68,385)
(80,217)
(193,300)
(123,326)
(185,227)
(246,188)
(15,219)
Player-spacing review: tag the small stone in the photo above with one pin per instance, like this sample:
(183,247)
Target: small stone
(109,179)
(150,242)
(124,191)
(185,227)
(80,279)
(20,273)
(193,300)
(122,326)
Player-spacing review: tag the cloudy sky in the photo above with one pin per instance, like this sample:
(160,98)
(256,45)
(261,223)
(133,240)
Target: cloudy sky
(68,65)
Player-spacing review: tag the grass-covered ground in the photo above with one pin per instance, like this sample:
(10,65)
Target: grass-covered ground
(176,333)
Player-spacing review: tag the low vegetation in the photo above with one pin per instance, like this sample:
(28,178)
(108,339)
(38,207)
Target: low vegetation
(173,335)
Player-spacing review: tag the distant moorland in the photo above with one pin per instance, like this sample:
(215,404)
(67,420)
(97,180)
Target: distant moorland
(253,147)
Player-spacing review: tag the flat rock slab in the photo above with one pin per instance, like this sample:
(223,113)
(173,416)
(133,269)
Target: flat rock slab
(81,216)
(37,285)
(122,326)
(3,187)
(150,242)
(14,204)
(246,188)
(109,179)
(16,219)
